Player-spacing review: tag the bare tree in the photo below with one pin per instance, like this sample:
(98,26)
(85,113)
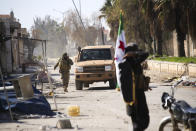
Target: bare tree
(49,29)
(76,33)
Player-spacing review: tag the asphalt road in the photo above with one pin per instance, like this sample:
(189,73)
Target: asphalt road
(103,108)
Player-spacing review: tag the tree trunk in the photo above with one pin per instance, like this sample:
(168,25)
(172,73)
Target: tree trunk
(150,48)
(159,47)
(181,36)
(158,34)
(188,42)
(154,46)
(180,40)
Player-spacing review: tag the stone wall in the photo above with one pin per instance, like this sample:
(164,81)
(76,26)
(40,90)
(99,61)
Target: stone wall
(172,67)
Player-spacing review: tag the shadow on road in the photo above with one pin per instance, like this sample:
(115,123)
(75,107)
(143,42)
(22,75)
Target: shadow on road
(71,74)
(99,88)
(62,97)
(55,74)
(58,96)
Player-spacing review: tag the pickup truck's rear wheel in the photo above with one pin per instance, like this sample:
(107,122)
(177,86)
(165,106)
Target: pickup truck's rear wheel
(112,83)
(79,85)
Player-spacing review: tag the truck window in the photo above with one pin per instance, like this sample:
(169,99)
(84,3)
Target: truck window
(95,54)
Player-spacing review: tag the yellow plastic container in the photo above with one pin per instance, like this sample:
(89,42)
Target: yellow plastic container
(73,110)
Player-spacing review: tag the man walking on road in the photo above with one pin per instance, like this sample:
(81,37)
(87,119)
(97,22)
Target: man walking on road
(64,64)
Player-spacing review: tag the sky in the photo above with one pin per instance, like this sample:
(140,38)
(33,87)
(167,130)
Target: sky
(27,10)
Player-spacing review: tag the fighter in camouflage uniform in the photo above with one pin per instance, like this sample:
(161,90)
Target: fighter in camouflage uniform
(64,64)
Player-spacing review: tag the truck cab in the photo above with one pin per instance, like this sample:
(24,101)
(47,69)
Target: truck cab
(95,64)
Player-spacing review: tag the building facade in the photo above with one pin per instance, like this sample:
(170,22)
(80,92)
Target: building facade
(11,47)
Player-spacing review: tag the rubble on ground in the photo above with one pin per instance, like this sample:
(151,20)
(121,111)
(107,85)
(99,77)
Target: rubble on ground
(170,78)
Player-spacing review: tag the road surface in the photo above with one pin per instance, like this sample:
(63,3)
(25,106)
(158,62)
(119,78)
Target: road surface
(101,108)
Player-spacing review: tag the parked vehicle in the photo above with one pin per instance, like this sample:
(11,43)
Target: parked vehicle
(182,115)
(95,64)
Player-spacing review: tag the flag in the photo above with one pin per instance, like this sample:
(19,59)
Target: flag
(120,49)
(124,75)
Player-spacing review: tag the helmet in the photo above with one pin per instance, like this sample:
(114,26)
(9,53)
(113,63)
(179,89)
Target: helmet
(65,54)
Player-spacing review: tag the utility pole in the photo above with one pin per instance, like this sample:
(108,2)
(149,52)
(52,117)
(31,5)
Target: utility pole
(102,33)
(80,8)
(78,14)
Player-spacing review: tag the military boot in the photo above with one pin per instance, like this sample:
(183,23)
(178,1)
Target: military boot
(65,89)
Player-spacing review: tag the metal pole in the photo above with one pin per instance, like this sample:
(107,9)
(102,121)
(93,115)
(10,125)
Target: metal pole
(78,14)
(80,8)
(46,69)
(102,33)
(45,48)
(43,51)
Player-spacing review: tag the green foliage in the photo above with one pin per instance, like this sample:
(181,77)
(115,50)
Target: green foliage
(177,59)
(111,11)
(135,26)
(178,15)
(37,58)
(147,19)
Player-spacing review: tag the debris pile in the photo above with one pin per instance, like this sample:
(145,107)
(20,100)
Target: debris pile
(43,77)
(189,83)
(35,105)
(168,80)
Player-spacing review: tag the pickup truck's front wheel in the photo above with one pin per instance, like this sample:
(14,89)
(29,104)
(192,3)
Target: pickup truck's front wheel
(112,83)
(86,85)
(79,85)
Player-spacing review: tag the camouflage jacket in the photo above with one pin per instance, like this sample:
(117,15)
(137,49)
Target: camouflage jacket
(64,64)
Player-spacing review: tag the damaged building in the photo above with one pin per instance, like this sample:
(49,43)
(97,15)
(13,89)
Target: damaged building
(16,52)
(13,46)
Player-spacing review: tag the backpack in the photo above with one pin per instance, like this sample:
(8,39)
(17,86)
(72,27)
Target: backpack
(143,82)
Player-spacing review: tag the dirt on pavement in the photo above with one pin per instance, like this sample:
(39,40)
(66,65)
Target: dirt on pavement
(101,108)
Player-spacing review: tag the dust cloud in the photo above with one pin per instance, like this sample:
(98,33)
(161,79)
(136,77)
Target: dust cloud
(54,50)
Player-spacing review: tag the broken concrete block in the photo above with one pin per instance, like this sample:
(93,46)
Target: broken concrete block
(64,124)
(42,128)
